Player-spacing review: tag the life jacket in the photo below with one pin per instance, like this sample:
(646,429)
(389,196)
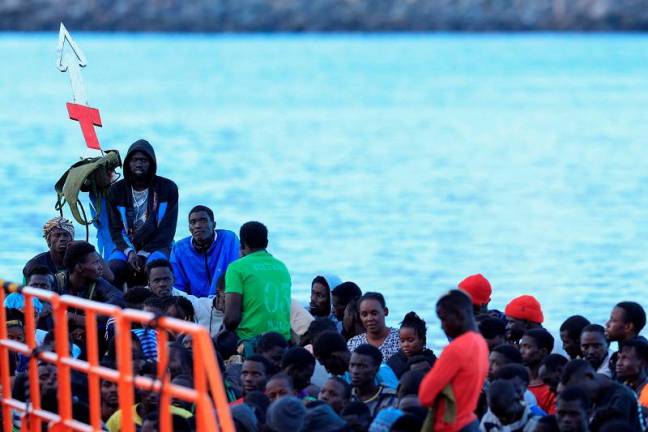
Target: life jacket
(88,175)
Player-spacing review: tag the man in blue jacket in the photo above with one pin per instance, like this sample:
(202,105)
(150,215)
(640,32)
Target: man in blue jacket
(143,215)
(200,259)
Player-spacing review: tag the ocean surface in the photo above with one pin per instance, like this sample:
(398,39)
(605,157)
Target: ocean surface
(403,163)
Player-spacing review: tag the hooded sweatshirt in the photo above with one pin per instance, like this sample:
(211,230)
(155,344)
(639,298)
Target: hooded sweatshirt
(158,230)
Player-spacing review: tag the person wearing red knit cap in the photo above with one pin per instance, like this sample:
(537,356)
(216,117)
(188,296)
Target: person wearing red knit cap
(522,313)
(479,290)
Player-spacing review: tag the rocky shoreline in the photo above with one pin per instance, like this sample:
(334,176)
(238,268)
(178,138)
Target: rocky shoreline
(325,15)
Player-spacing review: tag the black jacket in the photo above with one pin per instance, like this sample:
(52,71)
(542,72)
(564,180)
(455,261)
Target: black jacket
(399,363)
(102,291)
(159,229)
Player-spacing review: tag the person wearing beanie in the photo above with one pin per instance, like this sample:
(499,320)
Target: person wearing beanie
(479,290)
(523,313)
(286,414)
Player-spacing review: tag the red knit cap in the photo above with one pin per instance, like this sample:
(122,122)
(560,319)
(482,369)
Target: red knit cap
(525,307)
(478,287)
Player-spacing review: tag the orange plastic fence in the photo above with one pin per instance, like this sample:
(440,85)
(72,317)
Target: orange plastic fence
(208,395)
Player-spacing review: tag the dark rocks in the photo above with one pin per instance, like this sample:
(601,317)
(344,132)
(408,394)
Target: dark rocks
(325,15)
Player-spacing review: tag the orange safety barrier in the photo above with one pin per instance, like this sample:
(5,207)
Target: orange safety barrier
(208,395)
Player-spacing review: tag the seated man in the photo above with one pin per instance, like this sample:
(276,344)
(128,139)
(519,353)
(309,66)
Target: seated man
(200,259)
(573,410)
(58,233)
(535,345)
(257,288)
(507,410)
(631,367)
(143,212)
(363,367)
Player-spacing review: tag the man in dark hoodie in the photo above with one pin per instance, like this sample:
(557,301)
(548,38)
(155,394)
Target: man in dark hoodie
(143,215)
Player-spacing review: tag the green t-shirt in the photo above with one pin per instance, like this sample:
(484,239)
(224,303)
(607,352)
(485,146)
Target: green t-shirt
(264,283)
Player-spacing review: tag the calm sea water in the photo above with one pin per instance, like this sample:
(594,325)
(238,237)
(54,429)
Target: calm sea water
(403,163)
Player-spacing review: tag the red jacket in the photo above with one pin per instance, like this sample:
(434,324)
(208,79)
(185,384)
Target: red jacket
(464,366)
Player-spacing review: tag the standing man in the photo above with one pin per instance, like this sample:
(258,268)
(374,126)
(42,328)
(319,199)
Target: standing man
(58,233)
(453,386)
(199,260)
(257,288)
(143,215)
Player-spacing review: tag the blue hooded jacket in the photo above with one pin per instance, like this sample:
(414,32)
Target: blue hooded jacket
(197,273)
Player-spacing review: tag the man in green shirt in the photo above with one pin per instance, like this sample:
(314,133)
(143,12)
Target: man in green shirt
(257,288)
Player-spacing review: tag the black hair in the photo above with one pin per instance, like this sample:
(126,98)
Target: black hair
(282,376)
(34,268)
(347,387)
(594,328)
(180,302)
(356,408)
(640,346)
(185,355)
(225,344)
(574,326)
(154,302)
(511,371)
(510,352)
(76,253)
(554,362)
(346,291)
(492,327)
(373,296)
(268,367)
(254,235)
(327,343)
(413,321)
(371,351)
(158,262)
(321,280)
(634,314)
(456,301)
(578,366)
(410,382)
(542,338)
(574,393)
(497,391)
(269,340)
(137,295)
(202,208)
(407,422)
(298,357)
(315,328)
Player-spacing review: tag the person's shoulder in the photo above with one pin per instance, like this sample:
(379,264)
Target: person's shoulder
(165,182)
(182,244)
(119,185)
(226,236)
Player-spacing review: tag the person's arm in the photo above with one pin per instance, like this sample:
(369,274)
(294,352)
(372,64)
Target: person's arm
(178,273)
(444,370)
(116,223)
(111,294)
(168,219)
(233,310)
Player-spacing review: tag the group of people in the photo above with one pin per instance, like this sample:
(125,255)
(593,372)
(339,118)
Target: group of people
(333,365)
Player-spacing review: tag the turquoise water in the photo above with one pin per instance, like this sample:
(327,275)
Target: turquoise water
(403,163)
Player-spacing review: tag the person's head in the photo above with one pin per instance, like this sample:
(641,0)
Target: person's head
(373,311)
(633,360)
(357,415)
(38,276)
(180,361)
(502,355)
(455,312)
(299,364)
(331,350)
(522,313)
(320,298)
(412,334)
(286,414)
(352,324)
(154,305)
(160,277)
(570,332)
(48,380)
(272,346)
(505,401)
(593,345)
(364,364)
(580,373)
(409,383)
(150,399)
(341,295)
(136,296)
(478,289)
(201,223)
(535,345)
(279,385)
(254,373)
(15,330)
(335,392)
(573,410)
(551,370)
(16,302)
(516,374)
(627,319)
(58,233)
(151,423)
(315,328)
(493,330)
(139,164)
(81,259)
(109,390)
(178,307)
(254,237)
(183,381)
